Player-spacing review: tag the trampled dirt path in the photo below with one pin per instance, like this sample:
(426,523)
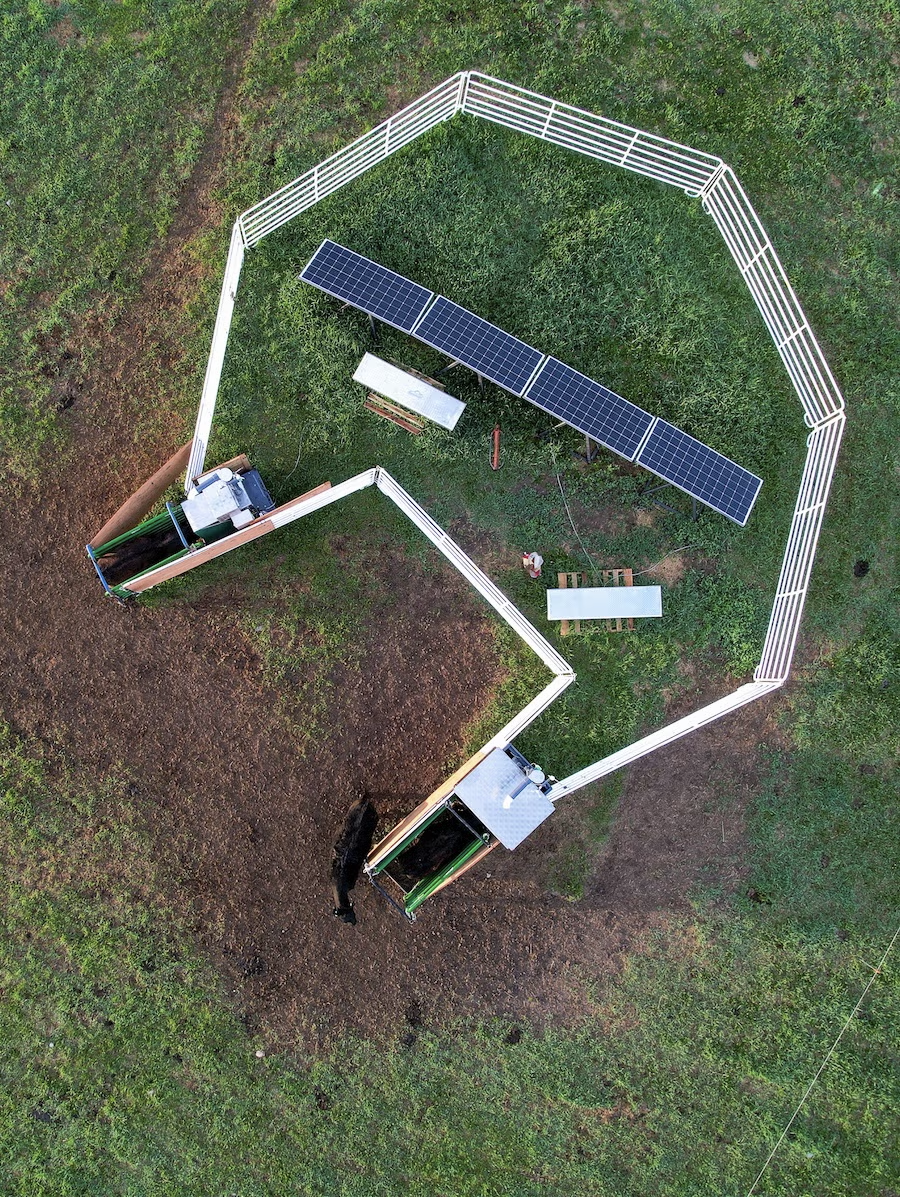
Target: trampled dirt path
(242,819)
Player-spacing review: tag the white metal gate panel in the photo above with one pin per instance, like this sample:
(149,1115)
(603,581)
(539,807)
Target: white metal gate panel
(351,161)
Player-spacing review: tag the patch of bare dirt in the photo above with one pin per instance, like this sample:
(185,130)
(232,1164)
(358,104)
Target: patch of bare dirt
(681,817)
(669,571)
(65,32)
(645,517)
(244,818)
(611,519)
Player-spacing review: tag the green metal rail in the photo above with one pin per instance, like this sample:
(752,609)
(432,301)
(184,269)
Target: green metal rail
(404,843)
(428,885)
(157,523)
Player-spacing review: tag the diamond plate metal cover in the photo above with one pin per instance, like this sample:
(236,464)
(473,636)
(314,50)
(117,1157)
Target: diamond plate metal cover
(487,792)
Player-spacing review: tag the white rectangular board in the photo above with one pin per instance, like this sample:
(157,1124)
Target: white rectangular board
(410,392)
(604,602)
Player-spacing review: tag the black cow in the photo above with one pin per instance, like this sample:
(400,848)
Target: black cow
(348,855)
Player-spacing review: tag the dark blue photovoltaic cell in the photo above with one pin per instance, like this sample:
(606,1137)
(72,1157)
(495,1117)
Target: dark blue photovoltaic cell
(479,345)
(590,407)
(349,276)
(700,471)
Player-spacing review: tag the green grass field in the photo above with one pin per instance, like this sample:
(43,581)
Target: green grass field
(103,114)
(125,1066)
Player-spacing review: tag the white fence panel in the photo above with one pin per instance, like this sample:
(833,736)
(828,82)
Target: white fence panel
(586,133)
(528,714)
(658,739)
(216,358)
(749,245)
(333,495)
(283,205)
(467,567)
(784,623)
(813,381)
(353,160)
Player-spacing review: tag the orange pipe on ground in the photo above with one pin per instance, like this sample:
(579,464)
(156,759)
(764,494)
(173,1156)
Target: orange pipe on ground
(495,448)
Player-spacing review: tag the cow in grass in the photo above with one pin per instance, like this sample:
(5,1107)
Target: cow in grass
(348,855)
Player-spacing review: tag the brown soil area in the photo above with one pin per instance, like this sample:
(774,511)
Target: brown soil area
(243,818)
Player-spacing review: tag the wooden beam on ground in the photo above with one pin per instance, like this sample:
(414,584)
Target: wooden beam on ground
(397,415)
(134,509)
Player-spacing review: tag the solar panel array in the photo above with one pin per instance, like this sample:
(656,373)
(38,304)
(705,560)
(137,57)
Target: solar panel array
(590,407)
(349,276)
(549,384)
(481,346)
(700,471)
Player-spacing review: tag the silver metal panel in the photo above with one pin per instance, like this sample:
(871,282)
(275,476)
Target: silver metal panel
(604,602)
(219,498)
(409,391)
(502,797)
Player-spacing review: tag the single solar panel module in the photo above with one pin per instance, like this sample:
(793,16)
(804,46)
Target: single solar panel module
(349,276)
(700,471)
(481,346)
(589,407)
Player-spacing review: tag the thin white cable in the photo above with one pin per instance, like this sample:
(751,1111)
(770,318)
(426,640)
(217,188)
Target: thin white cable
(821,1069)
(297,462)
(681,549)
(591,561)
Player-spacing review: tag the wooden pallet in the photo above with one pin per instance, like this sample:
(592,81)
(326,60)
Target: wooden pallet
(397,415)
(606,577)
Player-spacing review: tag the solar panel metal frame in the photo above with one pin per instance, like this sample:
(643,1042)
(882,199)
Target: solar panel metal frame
(603,428)
(483,368)
(662,428)
(637,447)
(358,301)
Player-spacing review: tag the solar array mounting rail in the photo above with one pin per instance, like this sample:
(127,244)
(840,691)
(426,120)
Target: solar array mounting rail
(549,384)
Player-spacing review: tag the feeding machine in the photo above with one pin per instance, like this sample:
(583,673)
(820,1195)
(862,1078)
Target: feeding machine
(496,798)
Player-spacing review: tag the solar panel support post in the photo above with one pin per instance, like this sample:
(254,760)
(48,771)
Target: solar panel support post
(373,329)
(453,365)
(446,369)
(648,491)
(590,450)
